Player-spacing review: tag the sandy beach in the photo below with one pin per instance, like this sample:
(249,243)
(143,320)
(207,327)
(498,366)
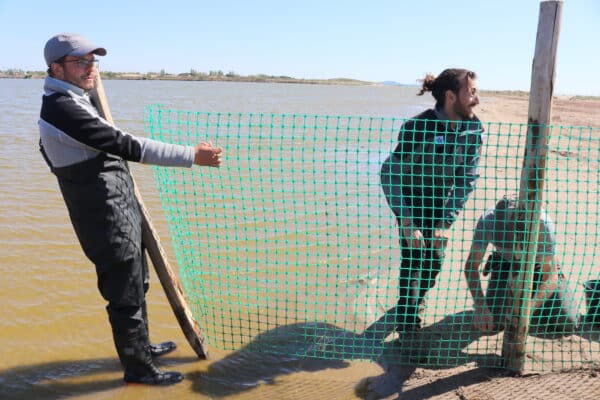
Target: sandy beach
(566,110)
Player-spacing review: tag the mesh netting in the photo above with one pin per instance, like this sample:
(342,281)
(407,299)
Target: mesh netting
(292,248)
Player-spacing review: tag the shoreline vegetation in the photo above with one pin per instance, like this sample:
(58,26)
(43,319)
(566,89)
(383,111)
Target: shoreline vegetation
(219,76)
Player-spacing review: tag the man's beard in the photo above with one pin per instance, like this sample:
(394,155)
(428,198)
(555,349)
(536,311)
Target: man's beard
(463,112)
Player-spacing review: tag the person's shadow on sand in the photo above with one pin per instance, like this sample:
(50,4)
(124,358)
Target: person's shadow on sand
(318,346)
(437,346)
(288,349)
(315,346)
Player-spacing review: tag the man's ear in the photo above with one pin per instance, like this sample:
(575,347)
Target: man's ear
(57,70)
(450,97)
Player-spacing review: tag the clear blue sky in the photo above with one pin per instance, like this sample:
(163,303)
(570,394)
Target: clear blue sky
(368,40)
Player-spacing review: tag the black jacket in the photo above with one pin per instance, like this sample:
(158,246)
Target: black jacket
(434,165)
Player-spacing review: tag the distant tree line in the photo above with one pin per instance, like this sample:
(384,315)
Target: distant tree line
(193,75)
(19,73)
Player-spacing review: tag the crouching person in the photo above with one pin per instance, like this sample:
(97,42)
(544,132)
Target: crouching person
(553,310)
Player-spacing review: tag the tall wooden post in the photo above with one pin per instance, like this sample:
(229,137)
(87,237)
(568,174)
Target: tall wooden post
(532,180)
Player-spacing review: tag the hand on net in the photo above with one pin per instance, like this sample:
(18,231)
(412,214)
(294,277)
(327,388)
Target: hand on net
(207,155)
(414,237)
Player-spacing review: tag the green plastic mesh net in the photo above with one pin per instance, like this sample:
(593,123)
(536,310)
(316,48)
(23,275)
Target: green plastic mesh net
(291,246)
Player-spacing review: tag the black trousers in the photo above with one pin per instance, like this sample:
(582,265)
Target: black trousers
(418,272)
(557,315)
(418,268)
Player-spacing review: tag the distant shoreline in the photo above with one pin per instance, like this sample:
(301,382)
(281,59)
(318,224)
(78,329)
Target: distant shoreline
(196,76)
(218,76)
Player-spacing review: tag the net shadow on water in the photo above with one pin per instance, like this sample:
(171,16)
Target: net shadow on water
(269,356)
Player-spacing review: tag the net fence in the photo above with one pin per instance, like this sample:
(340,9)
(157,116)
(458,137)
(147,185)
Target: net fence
(292,247)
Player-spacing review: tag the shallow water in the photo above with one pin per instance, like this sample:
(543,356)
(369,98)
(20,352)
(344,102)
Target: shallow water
(54,335)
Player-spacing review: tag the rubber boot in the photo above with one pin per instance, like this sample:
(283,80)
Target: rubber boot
(410,305)
(160,349)
(134,353)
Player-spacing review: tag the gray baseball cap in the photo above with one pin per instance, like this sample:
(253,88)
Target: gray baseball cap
(65,44)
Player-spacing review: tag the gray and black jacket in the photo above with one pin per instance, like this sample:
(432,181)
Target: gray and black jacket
(434,167)
(89,157)
(72,131)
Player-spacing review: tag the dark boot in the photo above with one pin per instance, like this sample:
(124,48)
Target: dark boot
(410,304)
(134,353)
(160,349)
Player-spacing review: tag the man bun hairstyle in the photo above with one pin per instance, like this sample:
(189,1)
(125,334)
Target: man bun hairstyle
(449,79)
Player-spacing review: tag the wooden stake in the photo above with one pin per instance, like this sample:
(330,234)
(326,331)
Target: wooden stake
(167,278)
(532,180)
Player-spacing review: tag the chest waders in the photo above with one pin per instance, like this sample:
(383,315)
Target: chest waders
(99,195)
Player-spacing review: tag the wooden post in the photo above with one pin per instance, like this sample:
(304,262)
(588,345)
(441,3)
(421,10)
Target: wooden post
(167,278)
(532,180)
